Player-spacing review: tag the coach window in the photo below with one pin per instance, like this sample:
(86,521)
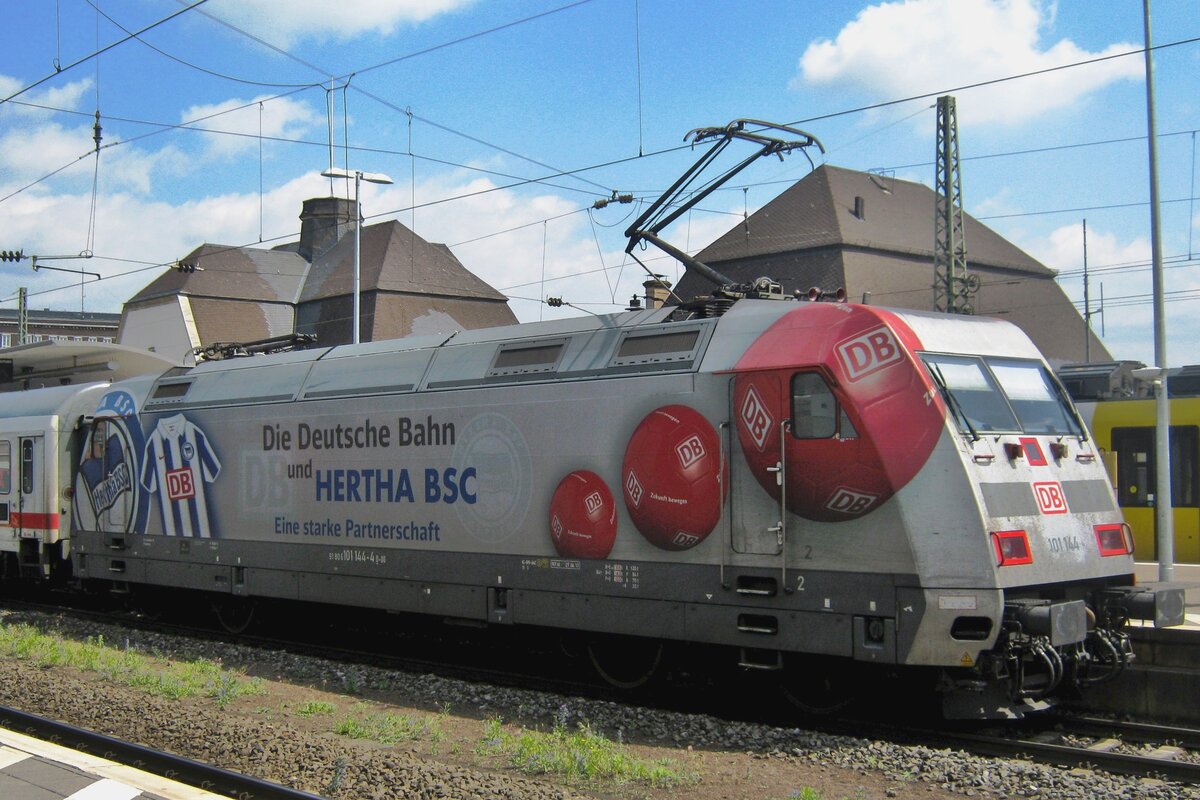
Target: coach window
(27,466)
(816,413)
(5,467)
(1136,474)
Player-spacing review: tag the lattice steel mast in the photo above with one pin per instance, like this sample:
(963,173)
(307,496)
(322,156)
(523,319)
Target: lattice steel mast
(952,286)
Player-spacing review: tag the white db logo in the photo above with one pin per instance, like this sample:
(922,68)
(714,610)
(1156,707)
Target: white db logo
(755,418)
(868,352)
(690,450)
(849,501)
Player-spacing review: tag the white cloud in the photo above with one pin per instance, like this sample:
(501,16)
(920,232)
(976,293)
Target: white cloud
(130,226)
(911,47)
(321,20)
(237,122)
(68,96)
(1120,271)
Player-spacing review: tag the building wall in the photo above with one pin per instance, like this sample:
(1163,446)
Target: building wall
(162,326)
(61,326)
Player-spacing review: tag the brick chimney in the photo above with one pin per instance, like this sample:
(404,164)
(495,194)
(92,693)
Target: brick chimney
(323,221)
(658,289)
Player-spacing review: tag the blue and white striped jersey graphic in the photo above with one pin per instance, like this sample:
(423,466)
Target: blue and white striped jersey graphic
(176,465)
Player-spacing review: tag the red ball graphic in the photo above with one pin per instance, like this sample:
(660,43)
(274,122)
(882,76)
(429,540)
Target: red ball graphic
(890,416)
(583,516)
(672,477)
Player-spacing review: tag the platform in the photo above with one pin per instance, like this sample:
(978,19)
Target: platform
(31,769)
(1188,574)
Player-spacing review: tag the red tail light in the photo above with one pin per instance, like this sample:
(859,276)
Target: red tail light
(1012,547)
(1113,540)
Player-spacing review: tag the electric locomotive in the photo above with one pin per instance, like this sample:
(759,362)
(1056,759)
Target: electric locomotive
(786,479)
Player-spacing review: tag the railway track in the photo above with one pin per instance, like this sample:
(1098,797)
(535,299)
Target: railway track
(167,765)
(1128,748)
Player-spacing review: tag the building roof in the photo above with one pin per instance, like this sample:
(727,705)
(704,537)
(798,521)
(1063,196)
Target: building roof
(897,217)
(50,363)
(393,259)
(232,273)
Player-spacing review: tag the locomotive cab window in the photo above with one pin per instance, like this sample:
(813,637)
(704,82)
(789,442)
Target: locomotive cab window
(1002,395)
(972,393)
(1038,404)
(816,413)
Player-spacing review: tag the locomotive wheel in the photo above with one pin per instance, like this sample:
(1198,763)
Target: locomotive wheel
(235,613)
(818,688)
(625,662)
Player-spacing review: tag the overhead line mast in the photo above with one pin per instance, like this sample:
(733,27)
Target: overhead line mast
(952,285)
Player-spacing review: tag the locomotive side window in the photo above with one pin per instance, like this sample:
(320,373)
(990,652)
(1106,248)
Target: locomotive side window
(816,413)
(1136,472)
(1038,405)
(5,467)
(99,437)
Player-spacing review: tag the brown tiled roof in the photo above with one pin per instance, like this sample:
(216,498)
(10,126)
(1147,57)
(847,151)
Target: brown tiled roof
(393,259)
(897,217)
(235,273)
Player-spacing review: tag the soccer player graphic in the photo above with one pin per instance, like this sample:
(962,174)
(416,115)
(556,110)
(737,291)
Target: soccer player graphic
(176,465)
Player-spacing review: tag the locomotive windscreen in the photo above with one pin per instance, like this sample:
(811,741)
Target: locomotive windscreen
(1009,395)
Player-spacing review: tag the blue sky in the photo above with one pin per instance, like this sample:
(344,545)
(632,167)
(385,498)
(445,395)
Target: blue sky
(496,100)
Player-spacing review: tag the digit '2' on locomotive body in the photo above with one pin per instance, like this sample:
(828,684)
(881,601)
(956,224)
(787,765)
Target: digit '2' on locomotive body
(789,482)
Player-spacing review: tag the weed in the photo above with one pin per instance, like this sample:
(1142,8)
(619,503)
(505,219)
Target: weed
(174,681)
(314,707)
(335,781)
(577,756)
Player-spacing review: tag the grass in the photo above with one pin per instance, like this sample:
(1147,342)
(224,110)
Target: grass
(316,707)
(391,728)
(173,680)
(579,756)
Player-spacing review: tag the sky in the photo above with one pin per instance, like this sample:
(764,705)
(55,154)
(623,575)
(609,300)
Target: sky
(501,124)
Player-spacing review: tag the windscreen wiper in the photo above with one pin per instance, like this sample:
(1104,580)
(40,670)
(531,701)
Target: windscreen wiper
(951,400)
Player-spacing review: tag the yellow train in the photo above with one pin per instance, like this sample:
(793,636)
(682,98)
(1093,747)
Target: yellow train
(1119,410)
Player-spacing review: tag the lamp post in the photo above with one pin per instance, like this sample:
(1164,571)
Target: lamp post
(359,176)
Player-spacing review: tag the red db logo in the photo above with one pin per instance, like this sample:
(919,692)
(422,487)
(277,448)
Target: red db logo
(180,485)
(1050,497)
(868,352)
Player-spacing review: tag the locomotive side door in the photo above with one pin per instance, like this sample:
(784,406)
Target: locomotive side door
(108,476)
(755,516)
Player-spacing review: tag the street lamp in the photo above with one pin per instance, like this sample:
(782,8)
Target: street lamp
(359,176)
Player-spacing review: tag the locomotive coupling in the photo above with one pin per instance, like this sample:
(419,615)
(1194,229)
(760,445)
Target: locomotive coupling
(1163,604)
(1062,623)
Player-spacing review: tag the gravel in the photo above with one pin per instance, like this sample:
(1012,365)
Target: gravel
(281,752)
